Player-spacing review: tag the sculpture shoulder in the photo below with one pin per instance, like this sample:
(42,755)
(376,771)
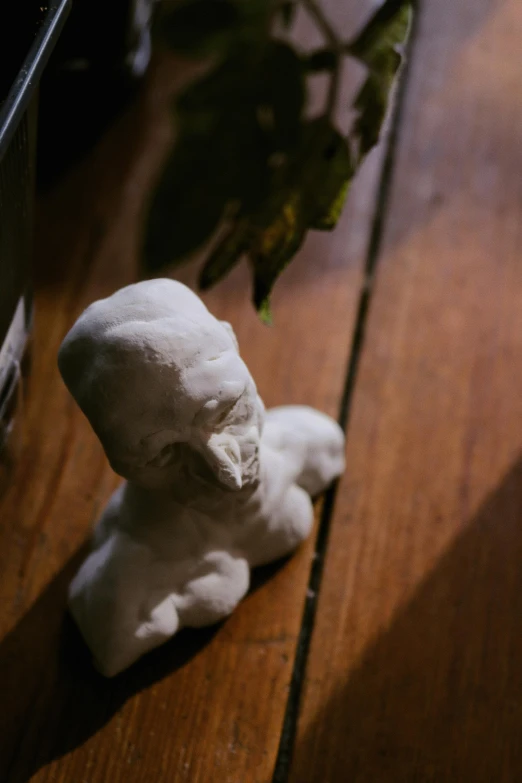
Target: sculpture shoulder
(124,570)
(108,600)
(117,570)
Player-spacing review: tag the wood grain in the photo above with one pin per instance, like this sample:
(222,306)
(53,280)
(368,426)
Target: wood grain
(415,667)
(210,705)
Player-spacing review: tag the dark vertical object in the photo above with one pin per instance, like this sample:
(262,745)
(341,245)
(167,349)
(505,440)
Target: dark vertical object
(28,32)
(93,72)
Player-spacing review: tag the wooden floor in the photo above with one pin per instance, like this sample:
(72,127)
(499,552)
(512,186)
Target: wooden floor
(389,649)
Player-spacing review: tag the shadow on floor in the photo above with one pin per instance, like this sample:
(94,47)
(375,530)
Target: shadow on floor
(52,699)
(438,698)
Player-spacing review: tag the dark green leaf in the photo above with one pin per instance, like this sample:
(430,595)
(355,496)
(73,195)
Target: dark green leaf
(182,215)
(272,82)
(287,11)
(244,149)
(204,174)
(201,27)
(226,255)
(282,89)
(198,25)
(223,152)
(226,88)
(321,60)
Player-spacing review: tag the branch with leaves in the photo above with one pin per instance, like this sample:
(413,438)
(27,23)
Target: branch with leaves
(248,166)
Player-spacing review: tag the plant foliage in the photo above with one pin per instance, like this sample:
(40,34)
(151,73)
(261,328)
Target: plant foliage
(248,168)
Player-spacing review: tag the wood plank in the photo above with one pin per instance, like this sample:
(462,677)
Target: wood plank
(210,705)
(414,671)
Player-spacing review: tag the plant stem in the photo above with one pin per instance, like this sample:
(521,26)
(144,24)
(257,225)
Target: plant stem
(323,23)
(336,45)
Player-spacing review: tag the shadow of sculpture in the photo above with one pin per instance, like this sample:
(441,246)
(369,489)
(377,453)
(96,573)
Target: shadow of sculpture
(52,699)
(438,697)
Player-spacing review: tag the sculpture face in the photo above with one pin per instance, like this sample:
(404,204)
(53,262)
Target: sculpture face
(165,389)
(205,433)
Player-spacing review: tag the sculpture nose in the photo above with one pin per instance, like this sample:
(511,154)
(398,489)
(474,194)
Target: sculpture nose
(221,451)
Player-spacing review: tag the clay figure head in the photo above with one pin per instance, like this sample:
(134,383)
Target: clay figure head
(162,383)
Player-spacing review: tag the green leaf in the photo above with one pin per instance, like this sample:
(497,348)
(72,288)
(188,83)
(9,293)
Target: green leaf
(244,149)
(387,29)
(328,220)
(327,173)
(378,46)
(275,243)
(265,312)
(317,177)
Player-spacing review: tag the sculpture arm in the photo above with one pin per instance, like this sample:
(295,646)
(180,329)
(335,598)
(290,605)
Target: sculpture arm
(108,600)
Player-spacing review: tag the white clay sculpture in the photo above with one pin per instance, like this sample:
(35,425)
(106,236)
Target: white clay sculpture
(214,484)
